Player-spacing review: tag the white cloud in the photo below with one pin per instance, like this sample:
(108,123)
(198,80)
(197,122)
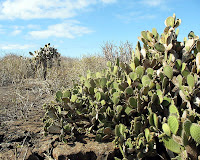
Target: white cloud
(16,32)
(70,29)
(15,47)
(35,9)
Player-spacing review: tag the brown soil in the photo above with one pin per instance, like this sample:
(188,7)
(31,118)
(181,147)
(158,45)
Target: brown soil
(21,128)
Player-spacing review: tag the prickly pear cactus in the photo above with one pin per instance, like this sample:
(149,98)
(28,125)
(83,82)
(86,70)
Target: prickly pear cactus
(46,57)
(148,107)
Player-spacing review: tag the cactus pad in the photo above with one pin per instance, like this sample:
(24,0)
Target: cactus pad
(195,132)
(173,124)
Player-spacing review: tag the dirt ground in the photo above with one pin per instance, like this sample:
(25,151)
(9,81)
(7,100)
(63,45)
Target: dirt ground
(21,128)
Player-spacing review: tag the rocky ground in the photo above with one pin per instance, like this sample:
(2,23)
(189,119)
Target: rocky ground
(21,128)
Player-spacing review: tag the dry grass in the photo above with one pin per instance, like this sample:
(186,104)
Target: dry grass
(15,69)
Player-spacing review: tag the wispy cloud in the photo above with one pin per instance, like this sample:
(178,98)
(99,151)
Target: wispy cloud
(70,29)
(16,46)
(37,9)
(16,32)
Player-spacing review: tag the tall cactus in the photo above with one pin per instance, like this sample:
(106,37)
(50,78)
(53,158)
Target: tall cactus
(45,57)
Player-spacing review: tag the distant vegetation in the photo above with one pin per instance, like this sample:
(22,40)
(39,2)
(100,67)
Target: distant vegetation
(14,69)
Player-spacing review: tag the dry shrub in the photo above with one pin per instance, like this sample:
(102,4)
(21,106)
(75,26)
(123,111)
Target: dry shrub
(72,68)
(123,52)
(13,69)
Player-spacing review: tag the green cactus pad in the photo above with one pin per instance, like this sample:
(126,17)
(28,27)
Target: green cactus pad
(98,96)
(151,122)
(132,102)
(66,94)
(137,127)
(190,80)
(103,82)
(186,126)
(133,76)
(144,34)
(116,98)
(185,139)
(180,80)
(195,132)
(168,71)
(146,80)
(149,36)
(109,64)
(177,31)
(129,90)
(103,102)
(140,71)
(166,129)
(129,110)
(74,98)
(164,83)
(173,124)
(147,134)
(198,45)
(150,71)
(174,111)
(155,119)
(154,31)
(119,109)
(189,44)
(59,95)
(178,64)
(115,69)
(154,98)
(128,80)
(169,22)
(122,128)
(159,47)
(171,145)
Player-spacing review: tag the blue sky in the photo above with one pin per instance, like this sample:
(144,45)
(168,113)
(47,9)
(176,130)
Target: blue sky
(81,27)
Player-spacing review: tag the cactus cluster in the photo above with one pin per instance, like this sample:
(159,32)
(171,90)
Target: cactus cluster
(45,57)
(148,108)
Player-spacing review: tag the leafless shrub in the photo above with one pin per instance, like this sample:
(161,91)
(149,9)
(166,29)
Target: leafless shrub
(123,52)
(13,69)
